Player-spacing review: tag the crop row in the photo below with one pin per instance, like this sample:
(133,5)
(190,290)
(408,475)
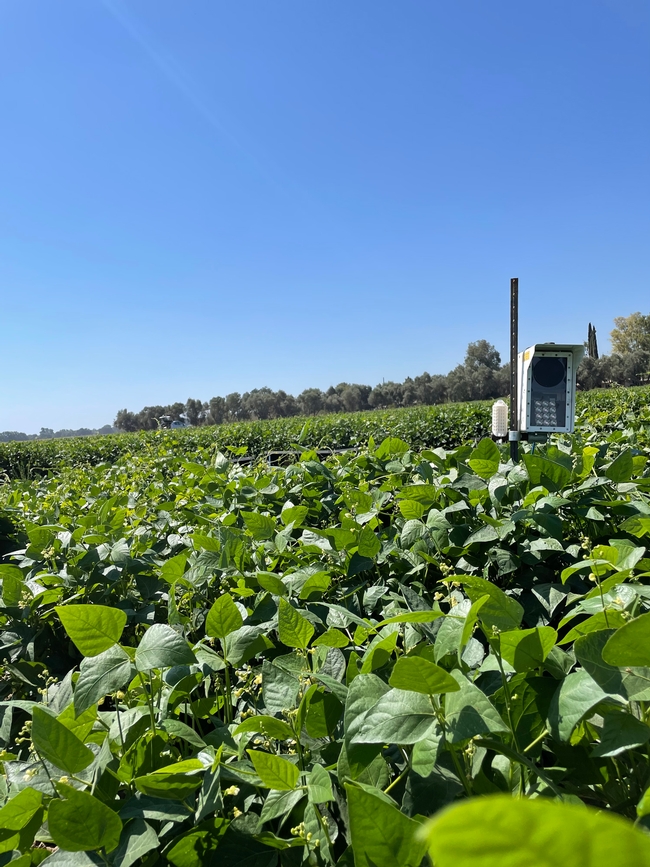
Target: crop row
(204,661)
(446,426)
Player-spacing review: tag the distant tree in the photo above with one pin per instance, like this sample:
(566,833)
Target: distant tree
(233,406)
(216,410)
(46,433)
(8,436)
(285,405)
(126,421)
(631,334)
(311,401)
(193,411)
(387,394)
(482,354)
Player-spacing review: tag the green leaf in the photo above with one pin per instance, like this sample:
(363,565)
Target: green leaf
(19,811)
(198,846)
(100,676)
(175,782)
(392,447)
(419,675)
(315,585)
(622,468)
(381,835)
(13,585)
(162,647)
(630,645)
(295,515)
(174,568)
(56,743)
(501,831)
(81,822)
(323,711)
(399,717)
(575,697)
(137,839)
(369,544)
(269,581)
(266,725)
(621,732)
(223,618)
(542,471)
(294,629)
(469,712)
(92,628)
(595,623)
(274,771)
(485,459)
(500,611)
(261,526)
(411,617)
(319,786)
(332,638)
(526,649)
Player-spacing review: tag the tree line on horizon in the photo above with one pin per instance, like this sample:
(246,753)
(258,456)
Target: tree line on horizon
(480,377)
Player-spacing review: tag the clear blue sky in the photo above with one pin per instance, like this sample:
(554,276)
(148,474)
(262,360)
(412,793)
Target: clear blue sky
(204,197)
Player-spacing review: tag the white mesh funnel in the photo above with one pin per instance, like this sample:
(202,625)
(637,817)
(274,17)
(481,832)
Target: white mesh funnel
(500,419)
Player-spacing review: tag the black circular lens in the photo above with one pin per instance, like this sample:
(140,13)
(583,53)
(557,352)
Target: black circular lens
(549,372)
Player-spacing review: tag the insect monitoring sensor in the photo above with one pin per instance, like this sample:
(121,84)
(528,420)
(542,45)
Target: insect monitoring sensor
(547,387)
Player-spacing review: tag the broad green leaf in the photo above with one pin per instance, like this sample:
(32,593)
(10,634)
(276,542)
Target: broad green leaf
(419,675)
(267,725)
(269,581)
(332,638)
(469,712)
(611,619)
(81,822)
(526,649)
(13,585)
(274,771)
(542,471)
(162,647)
(501,831)
(621,732)
(80,725)
(319,786)
(411,510)
(485,459)
(261,526)
(56,743)
(576,696)
(323,711)
(92,628)
(295,515)
(399,717)
(174,568)
(294,630)
(223,618)
(176,782)
(392,447)
(369,544)
(198,846)
(426,495)
(500,611)
(630,645)
(100,676)
(622,468)
(315,584)
(631,682)
(137,839)
(20,809)
(381,835)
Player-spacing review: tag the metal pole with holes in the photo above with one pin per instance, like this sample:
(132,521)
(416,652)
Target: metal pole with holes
(514,341)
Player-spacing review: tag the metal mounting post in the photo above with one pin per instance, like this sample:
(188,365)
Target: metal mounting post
(514,348)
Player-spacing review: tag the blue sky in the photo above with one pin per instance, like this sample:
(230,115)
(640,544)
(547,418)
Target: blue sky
(205,197)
